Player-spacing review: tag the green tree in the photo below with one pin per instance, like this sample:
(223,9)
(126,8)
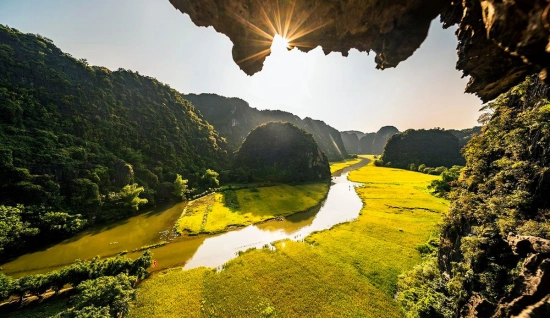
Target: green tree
(56,223)
(130,195)
(13,230)
(116,292)
(448,180)
(180,187)
(210,179)
(6,285)
(89,312)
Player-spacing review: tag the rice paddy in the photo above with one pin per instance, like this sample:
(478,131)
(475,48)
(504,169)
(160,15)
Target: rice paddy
(350,270)
(218,212)
(339,165)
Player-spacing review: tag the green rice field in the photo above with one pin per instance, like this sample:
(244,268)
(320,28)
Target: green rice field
(350,270)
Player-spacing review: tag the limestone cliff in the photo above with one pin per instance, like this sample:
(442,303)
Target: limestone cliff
(233,118)
(500,42)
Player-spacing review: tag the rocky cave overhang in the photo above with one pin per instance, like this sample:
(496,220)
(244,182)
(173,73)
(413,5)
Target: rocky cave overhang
(499,41)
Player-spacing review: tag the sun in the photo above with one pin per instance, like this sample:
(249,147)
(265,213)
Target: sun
(280,42)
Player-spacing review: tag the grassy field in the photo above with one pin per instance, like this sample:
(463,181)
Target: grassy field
(218,211)
(339,165)
(350,270)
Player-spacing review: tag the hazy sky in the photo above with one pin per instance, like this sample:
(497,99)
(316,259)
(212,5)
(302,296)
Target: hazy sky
(151,37)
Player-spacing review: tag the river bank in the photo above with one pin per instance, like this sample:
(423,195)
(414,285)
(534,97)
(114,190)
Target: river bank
(349,270)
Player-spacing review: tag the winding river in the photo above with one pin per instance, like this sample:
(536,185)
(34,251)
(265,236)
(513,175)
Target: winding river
(341,205)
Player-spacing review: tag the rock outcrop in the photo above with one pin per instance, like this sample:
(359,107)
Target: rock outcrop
(351,142)
(530,293)
(381,138)
(500,42)
(365,144)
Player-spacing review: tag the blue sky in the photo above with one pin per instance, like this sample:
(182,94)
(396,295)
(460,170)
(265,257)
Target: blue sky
(153,38)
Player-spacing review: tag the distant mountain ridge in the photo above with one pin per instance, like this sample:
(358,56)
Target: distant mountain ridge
(234,119)
(357,142)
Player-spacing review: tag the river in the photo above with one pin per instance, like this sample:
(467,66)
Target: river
(341,205)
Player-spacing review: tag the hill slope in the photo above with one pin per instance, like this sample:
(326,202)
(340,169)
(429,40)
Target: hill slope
(72,135)
(351,142)
(282,152)
(233,118)
(432,147)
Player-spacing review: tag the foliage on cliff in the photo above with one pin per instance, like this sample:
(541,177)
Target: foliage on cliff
(282,152)
(464,135)
(503,188)
(233,118)
(434,148)
(72,136)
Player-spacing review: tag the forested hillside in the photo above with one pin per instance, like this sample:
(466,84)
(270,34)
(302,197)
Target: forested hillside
(281,152)
(494,253)
(77,139)
(464,135)
(433,148)
(233,118)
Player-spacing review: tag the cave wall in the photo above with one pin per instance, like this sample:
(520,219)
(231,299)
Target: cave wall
(500,42)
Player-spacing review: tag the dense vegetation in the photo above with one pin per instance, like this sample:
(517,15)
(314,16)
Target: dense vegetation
(103,288)
(281,152)
(348,271)
(503,188)
(464,135)
(218,212)
(233,118)
(80,144)
(433,148)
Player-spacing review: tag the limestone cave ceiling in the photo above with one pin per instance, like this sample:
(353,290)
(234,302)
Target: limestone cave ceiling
(499,41)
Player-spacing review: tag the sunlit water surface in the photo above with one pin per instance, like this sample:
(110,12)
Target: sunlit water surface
(341,205)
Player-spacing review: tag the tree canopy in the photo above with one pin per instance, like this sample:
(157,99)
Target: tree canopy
(74,136)
(433,148)
(282,152)
(503,188)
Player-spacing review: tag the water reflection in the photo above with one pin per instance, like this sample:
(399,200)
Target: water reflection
(341,205)
(105,240)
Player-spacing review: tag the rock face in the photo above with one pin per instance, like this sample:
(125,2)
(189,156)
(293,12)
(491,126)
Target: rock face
(530,294)
(381,138)
(282,152)
(233,118)
(500,42)
(359,134)
(365,143)
(351,142)
(507,163)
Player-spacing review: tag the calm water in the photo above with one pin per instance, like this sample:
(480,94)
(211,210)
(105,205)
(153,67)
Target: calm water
(135,232)
(341,205)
